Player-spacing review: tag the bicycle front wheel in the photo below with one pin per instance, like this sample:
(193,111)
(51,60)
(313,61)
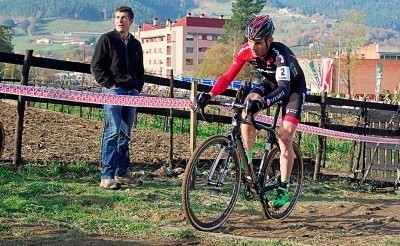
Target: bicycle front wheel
(271,175)
(210,189)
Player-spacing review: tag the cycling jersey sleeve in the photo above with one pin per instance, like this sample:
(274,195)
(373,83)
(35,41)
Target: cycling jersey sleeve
(279,93)
(223,83)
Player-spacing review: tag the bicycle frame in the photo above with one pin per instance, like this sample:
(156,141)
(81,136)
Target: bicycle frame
(220,165)
(234,136)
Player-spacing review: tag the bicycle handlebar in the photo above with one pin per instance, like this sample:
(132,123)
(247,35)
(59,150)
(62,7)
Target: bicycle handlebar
(231,104)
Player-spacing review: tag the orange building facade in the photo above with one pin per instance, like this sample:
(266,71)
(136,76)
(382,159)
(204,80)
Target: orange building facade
(364,76)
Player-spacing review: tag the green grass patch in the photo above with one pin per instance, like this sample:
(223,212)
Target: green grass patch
(54,26)
(64,198)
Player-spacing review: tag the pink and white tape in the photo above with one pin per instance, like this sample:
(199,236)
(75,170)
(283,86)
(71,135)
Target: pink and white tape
(95,98)
(159,102)
(335,134)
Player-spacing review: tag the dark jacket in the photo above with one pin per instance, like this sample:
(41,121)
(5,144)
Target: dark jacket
(113,63)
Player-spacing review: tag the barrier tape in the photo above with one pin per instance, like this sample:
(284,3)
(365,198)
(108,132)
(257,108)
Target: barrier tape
(159,102)
(335,134)
(326,132)
(95,98)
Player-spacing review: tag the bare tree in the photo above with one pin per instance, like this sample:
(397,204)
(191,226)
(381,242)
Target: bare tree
(353,34)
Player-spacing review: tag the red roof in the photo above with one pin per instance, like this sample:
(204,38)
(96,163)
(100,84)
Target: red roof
(189,21)
(148,27)
(201,21)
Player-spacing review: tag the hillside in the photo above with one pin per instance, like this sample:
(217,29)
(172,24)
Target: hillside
(92,9)
(148,9)
(373,10)
(299,26)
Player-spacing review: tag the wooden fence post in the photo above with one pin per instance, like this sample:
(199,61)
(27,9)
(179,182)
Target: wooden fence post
(171,121)
(364,144)
(193,120)
(321,139)
(21,108)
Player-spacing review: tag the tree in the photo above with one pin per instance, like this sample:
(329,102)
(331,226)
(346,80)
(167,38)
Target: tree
(217,61)
(5,39)
(242,12)
(5,44)
(352,33)
(220,56)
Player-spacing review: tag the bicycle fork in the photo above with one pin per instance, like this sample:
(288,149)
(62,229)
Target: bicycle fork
(228,160)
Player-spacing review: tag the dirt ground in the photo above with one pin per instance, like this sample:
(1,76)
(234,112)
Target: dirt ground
(53,136)
(50,136)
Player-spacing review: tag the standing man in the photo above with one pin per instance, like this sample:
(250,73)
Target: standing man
(284,81)
(117,66)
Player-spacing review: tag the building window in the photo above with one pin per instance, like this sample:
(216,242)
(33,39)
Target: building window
(390,57)
(189,49)
(189,61)
(189,37)
(203,49)
(208,37)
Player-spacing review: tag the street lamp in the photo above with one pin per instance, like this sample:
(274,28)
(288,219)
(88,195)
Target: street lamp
(340,52)
(339,56)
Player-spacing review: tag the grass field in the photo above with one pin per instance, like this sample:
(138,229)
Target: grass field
(60,26)
(59,30)
(61,203)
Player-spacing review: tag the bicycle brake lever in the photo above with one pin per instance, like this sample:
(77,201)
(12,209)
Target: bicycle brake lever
(203,114)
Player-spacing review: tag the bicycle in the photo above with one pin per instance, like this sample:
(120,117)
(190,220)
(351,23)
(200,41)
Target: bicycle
(218,166)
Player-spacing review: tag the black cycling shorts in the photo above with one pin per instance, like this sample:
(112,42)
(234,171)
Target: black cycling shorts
(292,106)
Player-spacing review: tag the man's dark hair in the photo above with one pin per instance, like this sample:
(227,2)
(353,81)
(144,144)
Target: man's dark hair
(125,9)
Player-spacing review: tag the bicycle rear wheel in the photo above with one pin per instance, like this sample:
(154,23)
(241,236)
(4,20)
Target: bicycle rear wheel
(269,183)
(206,203)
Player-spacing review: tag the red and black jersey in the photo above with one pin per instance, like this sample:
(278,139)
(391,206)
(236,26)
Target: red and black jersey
(279,66)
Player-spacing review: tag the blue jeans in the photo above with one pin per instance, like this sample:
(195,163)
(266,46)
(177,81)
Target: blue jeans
(116,135)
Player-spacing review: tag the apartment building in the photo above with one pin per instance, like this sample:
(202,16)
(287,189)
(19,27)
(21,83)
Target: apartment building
(377,51)
(178,45)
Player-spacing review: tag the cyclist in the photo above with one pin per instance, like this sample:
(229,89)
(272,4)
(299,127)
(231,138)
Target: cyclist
(284,81)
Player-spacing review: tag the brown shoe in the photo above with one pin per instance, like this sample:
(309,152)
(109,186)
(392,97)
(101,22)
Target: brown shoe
(127,179)
(109,184)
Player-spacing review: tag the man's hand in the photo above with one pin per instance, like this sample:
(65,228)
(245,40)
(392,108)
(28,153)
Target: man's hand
(202,99)
(253,106)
